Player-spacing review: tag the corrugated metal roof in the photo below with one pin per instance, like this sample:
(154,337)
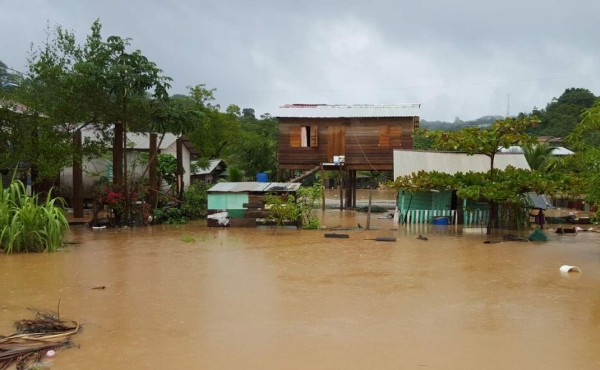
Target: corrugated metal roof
(535,200)
(242,187)
(212,164)
(556,151)
(347,110)
(408,161)
(511,149)
(136,140)
(562,151)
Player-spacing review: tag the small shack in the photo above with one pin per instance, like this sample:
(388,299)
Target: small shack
(242,204)
(215,171)
(444,207)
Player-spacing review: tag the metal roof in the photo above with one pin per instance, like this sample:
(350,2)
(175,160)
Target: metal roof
(212,164)
(556,151)
(136,140)
(348,110)
(243,187)
(407,162)
(535,200)
(562,151)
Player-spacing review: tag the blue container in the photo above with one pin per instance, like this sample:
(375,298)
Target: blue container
(440,220)
(262,177)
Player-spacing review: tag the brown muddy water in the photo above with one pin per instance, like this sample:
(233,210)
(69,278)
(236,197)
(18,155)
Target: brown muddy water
(192,297)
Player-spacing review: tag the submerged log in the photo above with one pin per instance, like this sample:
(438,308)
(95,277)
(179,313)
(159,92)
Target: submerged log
(336,235)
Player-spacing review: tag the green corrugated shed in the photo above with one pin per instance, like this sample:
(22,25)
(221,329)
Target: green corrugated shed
(233,203)
(425,200)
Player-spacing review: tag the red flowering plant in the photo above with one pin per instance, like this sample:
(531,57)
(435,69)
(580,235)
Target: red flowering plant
(113,198)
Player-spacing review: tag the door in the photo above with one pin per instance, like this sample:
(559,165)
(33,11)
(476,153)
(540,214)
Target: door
(336,141)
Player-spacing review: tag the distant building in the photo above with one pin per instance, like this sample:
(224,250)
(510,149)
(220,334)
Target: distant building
(217,169)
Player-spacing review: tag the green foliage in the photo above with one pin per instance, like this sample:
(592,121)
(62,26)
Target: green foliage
(167,168)
(538,156)
(473,140)
(28,224)
(254,150)
(188,239)
(195,201)
(585,139)
(494,186)
(507,187)
(282,209)
(235,174)
(33,139)
(169,215)
(100,82)
(561,115)
(295,209)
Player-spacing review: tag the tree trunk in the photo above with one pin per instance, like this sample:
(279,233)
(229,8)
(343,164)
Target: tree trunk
(492,217)
(117,153)
(493,207)
(152,171)
(77,190)
(180,184)
(126,211)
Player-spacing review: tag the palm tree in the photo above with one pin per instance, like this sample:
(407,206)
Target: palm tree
(538,156)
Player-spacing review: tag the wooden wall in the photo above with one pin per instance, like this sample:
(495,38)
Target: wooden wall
(367,143)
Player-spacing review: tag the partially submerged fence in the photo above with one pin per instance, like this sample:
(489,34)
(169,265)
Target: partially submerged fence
(426,216)
(420,216)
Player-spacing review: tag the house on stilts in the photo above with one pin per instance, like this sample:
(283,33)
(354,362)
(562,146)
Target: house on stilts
(344,138)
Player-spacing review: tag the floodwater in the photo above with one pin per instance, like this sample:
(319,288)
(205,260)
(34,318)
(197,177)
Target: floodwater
(192,297)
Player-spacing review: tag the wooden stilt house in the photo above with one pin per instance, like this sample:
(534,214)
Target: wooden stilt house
(345,138)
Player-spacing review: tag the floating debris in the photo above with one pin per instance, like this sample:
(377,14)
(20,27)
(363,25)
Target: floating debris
(336,235)
(384,239)
(568,268)
(538,236)
(44,335)
(514,238)
(421,237)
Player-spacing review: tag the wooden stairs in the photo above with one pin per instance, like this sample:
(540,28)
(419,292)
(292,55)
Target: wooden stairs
(305,174)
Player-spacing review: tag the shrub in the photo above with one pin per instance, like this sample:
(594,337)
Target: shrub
(195,201)
(171,215)
(26,225)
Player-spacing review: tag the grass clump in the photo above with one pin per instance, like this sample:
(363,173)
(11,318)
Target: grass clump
(28,224)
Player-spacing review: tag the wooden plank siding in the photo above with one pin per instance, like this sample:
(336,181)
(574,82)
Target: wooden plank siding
(367,143)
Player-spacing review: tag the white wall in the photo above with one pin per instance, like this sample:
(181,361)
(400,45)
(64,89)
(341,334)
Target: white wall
(94,169)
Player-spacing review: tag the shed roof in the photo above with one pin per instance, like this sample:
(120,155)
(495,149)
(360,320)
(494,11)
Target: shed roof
(348,110)
(258,187)
(212,165)
(408,161)
(559,150)
(141,141)
(539,201)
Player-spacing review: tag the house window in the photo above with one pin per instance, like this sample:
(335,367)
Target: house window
(303,136)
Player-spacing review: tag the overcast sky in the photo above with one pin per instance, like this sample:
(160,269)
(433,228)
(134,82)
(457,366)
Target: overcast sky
(457,58)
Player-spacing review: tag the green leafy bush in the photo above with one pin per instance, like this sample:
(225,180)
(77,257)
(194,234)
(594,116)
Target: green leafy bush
(171,215)
(195,201)
(28,225)
(297,208)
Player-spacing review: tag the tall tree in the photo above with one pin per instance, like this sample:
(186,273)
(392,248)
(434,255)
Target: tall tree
(502,134)
(585,139)
(99,83)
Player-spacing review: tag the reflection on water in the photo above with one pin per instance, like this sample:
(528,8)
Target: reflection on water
(251,299)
